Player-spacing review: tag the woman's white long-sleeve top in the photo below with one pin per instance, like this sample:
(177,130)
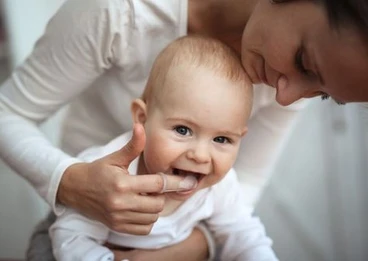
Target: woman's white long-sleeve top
(96,55)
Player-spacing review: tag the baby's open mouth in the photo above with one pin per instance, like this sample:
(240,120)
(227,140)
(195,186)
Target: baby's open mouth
(185,173)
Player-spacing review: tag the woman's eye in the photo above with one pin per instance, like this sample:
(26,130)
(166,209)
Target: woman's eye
(299,63)
(325,96)
(182,130)
(221,139)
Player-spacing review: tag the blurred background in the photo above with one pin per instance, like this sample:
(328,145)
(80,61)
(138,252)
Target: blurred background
(314,207)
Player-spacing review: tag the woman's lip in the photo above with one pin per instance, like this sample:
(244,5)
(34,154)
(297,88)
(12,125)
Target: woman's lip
(261,72)
(263,75)
(276,84)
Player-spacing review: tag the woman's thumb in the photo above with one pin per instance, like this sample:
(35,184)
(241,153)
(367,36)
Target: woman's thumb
(133,148)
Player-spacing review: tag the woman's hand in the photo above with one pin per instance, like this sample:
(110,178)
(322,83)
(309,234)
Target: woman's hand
(194,248)
(104,190)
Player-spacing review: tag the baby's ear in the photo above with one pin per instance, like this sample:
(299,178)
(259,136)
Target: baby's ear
(139,111)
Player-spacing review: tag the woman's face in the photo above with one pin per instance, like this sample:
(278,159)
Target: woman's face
(291,47)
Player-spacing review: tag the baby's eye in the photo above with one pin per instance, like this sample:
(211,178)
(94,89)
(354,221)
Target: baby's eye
(222,139)
(182,130)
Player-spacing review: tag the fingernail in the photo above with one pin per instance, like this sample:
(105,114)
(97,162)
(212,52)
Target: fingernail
(189,182)
(125,260)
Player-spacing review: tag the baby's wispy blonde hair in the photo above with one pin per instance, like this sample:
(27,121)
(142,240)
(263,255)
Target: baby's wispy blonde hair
(197,51)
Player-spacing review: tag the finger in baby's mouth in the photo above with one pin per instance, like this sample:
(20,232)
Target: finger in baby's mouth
(185,173)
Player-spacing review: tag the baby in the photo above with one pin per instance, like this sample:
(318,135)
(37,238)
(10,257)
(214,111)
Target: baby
(194,111)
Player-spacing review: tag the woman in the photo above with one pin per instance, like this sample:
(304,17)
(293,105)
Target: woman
(96,54)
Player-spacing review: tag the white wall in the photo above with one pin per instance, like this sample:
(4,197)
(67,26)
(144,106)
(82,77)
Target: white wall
(26,20)
(314,207)
(20,207)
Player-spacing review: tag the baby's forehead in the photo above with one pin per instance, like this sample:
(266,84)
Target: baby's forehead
(187,80)
(235,75)
(185,83)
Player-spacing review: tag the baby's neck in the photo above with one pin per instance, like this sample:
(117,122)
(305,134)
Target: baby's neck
(170,204)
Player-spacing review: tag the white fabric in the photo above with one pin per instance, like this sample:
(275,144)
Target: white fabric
(239,235)
(96,55)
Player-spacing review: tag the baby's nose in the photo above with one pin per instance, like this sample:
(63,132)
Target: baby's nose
(199,153)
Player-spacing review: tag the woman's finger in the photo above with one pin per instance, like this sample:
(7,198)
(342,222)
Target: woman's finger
(160,183)
(170,183)
(129,222)
(135,218)
(131,150)
(134,229)
(143,203)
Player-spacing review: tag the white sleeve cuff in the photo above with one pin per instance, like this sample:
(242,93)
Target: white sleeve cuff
(259,254)
(54,185)
(210,241)
(99,253)
(83,250)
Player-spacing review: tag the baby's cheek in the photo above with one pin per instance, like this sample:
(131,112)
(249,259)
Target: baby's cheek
(159,154)
(216,178)
(227,162)
(153,157)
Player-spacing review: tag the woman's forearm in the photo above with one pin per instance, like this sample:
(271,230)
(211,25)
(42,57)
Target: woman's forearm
(51,76)
(26,150)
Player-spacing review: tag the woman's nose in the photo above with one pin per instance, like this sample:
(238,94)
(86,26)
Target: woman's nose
(287,93)
(199,152)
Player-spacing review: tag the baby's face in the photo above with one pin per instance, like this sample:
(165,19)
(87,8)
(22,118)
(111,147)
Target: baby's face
(196,126)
